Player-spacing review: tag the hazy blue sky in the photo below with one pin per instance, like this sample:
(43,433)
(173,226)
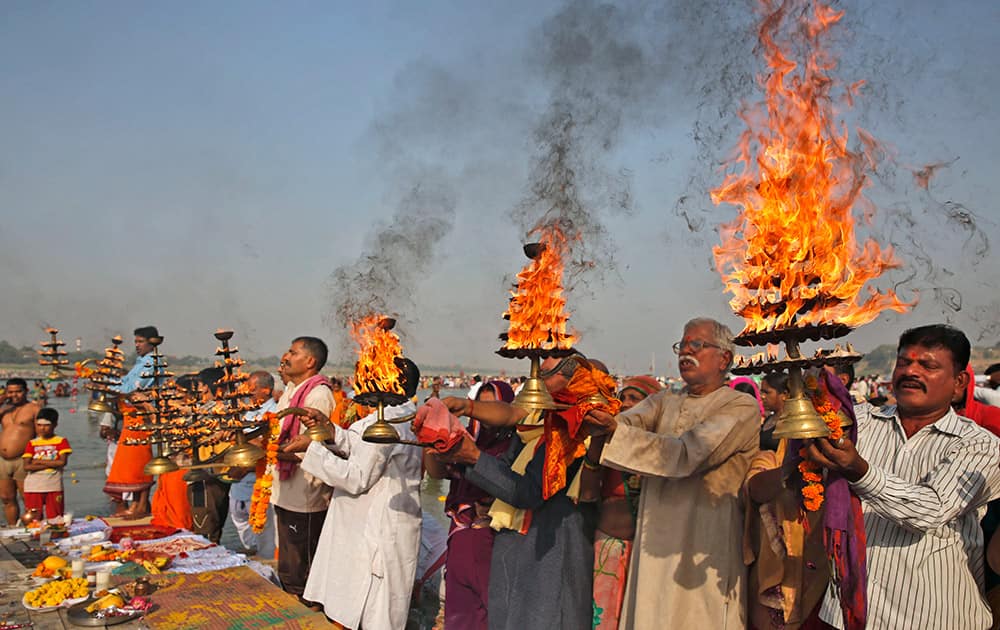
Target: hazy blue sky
(197,165)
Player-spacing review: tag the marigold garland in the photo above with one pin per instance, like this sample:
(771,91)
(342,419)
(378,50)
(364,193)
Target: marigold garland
(812,477)
(82,371)
(262,486)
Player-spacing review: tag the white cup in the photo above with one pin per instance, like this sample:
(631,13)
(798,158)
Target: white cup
(103,580)
(77,567)
(67,518)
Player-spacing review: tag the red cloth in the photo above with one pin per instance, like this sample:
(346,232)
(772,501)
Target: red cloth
(291,426)
(436,425)
(986,416)
(140,532)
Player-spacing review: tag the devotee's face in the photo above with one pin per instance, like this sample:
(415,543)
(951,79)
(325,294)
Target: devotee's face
(554,382)
(204,393)
(925,380)
(297,361)
(44,430)
(772,398)
(142,346)
(703,365)
(17,395)
(486,394)
(630,398)
(845,379)
(258,392)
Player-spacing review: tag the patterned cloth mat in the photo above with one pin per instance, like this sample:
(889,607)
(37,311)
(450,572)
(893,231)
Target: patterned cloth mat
(230,599)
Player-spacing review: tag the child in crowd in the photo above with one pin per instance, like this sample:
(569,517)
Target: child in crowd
(44,458)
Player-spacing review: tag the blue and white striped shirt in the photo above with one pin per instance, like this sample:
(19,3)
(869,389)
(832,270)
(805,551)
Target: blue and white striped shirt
(922,499)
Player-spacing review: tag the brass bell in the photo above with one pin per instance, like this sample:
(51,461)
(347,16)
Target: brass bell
(242,454)
(380,432)
(319,432)
(160,466)
(799,419)
(102,404)
(534,395)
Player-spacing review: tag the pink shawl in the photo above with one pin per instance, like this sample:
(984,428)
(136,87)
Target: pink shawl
(290,425)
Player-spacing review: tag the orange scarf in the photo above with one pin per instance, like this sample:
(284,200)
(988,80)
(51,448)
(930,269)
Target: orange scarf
(589,389)
(170,501)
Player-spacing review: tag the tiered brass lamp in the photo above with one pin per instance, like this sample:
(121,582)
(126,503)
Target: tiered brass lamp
(798,418)
(52,354)
(106,379)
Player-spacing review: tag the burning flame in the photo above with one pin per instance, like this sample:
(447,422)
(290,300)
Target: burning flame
(378,349)
(791,257)
(537,309)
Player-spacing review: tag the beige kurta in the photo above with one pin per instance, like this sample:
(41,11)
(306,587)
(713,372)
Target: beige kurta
(687,566)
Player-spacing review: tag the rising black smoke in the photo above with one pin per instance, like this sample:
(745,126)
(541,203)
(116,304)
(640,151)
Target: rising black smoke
(396,254)
(601,75)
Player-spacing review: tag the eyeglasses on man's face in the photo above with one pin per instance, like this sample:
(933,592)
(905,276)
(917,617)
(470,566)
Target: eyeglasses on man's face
(696,345)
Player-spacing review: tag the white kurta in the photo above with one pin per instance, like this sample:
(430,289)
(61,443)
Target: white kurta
(686,569)
(366,560)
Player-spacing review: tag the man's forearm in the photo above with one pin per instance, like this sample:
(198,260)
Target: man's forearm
(495,413)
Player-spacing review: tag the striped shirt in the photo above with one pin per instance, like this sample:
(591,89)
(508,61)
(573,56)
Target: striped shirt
(923,498)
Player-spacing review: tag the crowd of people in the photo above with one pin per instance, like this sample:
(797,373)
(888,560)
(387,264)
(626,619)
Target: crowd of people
(662,508)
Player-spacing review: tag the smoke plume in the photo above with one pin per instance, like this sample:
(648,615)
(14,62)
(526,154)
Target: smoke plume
(395,256)
(600,75)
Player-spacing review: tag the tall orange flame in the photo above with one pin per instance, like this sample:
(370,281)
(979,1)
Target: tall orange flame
(537,309)
(790,258)
(378,348)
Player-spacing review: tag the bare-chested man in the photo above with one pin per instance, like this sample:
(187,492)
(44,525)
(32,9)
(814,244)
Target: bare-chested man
(17,418)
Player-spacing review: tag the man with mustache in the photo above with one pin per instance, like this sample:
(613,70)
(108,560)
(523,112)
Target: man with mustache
(693,450)
(923,474)
(300,500)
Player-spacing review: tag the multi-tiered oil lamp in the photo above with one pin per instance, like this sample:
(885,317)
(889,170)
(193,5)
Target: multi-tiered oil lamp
(106,379)
(798,417)
(233,404)
(156,402)
(378,377)
(791,258)
(538,319)
(53,354)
